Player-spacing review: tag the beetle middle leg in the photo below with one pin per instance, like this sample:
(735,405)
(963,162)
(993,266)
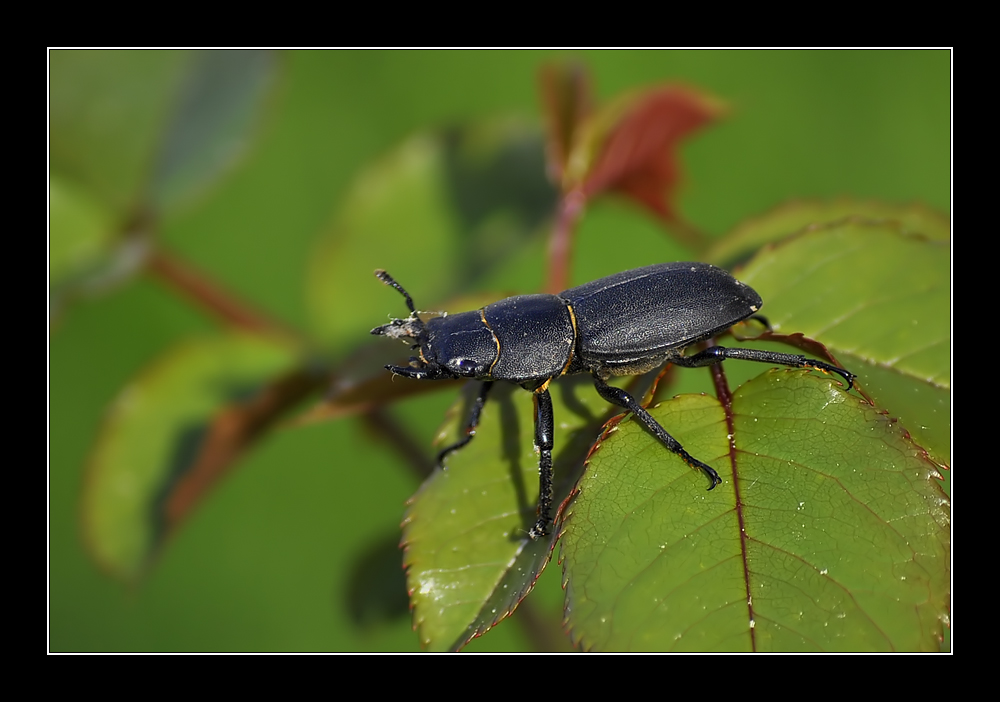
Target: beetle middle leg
(619,397)
(470,424)
(717,354)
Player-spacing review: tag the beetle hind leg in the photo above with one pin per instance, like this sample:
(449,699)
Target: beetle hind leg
(717,354)
(619,397)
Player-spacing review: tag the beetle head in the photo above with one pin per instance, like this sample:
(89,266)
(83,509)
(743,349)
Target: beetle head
(450,346)
(459,345)
(456,346)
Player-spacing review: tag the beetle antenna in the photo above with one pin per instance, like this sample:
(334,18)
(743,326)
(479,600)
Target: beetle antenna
(388,280)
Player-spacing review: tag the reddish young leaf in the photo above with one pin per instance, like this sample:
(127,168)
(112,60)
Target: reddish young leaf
(628,146)
(638,156)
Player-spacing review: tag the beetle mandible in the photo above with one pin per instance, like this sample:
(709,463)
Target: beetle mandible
(624,324)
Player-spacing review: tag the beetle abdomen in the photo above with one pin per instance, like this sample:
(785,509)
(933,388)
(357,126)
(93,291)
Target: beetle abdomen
(643,314)
(535,334)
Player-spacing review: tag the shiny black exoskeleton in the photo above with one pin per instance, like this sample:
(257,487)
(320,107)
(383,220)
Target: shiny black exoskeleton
(625,324)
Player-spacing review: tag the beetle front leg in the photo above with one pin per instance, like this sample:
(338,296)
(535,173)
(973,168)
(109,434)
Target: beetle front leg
(717,354)
(617,396)
(544,429)
(471,424)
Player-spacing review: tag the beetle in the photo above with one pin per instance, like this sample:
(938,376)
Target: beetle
(625,324)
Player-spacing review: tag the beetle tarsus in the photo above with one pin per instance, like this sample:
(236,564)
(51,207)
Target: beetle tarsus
(845,374)
(713,477)
(540,530)
(709,471)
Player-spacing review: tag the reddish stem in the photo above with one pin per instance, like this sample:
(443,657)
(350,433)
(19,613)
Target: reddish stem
(690,236)
(570,208)
(198,288)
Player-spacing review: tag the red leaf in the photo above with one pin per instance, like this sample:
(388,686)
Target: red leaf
(638,158)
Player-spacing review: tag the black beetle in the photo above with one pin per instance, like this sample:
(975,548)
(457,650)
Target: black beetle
(625,324)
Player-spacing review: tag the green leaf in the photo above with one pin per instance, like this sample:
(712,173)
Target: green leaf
(80,232)
(135,135)
(879,299)
(830,531)
(438,213)
(469,563)
(151,128)
(468,558)
(86,254)
(212,123)
(401,193)
(153,438)
(108,111)
(794,217)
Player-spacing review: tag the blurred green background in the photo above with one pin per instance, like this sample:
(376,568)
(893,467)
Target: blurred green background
(273,559)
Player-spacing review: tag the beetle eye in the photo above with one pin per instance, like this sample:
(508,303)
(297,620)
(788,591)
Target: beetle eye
(466,365)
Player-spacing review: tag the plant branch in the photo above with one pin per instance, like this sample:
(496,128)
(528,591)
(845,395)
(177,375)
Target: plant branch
(209,296)
(561,244)
(690,236)
(382,424)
